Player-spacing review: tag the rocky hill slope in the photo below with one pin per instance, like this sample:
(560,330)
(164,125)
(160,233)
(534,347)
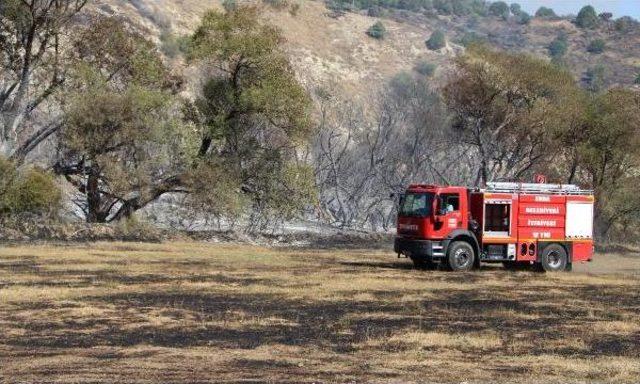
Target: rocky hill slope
(334,51)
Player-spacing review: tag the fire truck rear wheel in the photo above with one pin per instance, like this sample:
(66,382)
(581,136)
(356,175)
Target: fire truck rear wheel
(554,258)
(460,256)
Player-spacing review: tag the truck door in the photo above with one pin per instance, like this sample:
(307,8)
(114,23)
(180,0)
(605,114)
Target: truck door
(450,217)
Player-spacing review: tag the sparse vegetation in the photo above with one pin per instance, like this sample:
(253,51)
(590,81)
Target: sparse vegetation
(596,46)
(436,41)
(595,78)
(425,68)
(377,31)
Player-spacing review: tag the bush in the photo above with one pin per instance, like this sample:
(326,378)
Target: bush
(523,18)
(436,41)
(595,78)
(596,46)
(558,47)
(637,80)
(29,191)
(605,16)
(499,9)
(425,68)
(625,24)
(377,31)
(173,45)
(546,13)
(587,18)
(229,5)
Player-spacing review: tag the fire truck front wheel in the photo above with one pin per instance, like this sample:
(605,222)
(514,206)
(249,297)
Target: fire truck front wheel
(460,256)
(554,258)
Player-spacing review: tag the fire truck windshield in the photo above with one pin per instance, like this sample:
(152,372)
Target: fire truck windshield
(416,204)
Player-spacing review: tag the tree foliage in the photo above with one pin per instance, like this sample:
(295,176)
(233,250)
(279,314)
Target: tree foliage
(545,12)
(504,105)
(252,113)
(587,18)
(121,144)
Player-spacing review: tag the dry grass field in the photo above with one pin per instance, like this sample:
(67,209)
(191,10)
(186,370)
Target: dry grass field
(194,312)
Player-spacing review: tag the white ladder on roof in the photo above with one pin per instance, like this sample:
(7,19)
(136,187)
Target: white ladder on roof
(557,189)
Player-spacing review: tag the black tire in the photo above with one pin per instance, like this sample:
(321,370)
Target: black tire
(424,264)
(460,256)
(554,258)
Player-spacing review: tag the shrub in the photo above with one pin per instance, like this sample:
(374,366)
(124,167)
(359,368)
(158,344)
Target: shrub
(625,24)
(277,4)
(558,47)
(436,41)
(425,68)
(377,31)
(523,18)
(29,191)
(547,13)
(587,18)
(637,80)
(595,78)
(596,46)
(499,9)
(229,5)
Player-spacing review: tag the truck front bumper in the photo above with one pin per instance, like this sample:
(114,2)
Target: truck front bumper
(419,249)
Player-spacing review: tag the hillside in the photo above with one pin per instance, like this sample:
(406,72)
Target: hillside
(334,51)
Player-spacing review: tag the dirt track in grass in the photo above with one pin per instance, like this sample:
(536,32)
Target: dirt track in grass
(194,312)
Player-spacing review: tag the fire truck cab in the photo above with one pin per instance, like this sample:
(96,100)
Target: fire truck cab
(549,226)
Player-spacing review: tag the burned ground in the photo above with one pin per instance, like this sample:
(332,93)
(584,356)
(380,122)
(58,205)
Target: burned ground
(191,312)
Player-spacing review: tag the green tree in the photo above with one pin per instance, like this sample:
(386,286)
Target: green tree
(377,31)
(610,156)
(637,80)
(436,41)
(499,9)
(515,8)
(547,13)
(252,112)
(596,46)
(121,145)
(587,18)
(505,107)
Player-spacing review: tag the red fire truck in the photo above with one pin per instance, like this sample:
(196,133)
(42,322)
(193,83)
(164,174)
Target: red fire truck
(549,226)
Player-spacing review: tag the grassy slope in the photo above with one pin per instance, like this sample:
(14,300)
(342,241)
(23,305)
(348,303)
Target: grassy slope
(337,54)
(192,312)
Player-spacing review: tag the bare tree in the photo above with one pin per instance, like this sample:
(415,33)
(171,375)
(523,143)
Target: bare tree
(31,68)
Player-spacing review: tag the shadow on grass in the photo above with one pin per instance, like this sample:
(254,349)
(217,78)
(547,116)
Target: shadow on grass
(340,325)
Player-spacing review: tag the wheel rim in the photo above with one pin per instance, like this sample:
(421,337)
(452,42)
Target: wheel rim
(462,257)
(554,260)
